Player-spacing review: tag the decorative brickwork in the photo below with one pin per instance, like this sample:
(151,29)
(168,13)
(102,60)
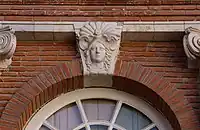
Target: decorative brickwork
(102,2)
(171,86)
(173,11)
(153,71)
(64,78)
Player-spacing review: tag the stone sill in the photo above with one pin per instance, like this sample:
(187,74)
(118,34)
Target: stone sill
(132,31)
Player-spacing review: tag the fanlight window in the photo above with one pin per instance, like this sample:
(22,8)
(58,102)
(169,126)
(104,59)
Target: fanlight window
(98,114)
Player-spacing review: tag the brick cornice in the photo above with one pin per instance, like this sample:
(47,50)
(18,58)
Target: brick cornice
(102,2)
(130,77)
(121,10)
(112,11)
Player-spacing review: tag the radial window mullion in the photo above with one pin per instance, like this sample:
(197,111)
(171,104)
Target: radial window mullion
(48,125)
(115,114)
(83,115)
(149,127)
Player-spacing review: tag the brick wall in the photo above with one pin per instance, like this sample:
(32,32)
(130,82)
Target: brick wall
(169,60)
(29,60)
(101,2)
(165,58)
(32,57)
(106,10)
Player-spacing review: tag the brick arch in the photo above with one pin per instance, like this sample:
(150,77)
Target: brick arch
(40,90)
(129,77)
(158,91)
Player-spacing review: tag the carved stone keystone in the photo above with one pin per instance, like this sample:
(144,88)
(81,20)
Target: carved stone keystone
(98,44)
(7,47)
(191,43)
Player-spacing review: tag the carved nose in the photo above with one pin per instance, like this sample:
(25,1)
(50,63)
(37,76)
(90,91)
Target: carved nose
(97,50)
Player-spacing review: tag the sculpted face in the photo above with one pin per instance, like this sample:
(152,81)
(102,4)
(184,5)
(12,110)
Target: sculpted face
(97,52)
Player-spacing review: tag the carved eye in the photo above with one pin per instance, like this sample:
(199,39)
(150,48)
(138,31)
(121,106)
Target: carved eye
(101,48)
(92,48)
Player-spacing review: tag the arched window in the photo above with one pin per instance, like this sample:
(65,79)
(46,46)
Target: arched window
(98,109)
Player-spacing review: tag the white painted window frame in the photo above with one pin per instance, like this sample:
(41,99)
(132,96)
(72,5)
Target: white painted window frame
(92,93)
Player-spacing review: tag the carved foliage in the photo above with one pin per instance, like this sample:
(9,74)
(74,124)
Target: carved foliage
(99,45)
(7,46)
(191,43)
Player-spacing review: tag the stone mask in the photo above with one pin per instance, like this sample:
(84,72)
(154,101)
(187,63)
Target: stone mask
(98,44)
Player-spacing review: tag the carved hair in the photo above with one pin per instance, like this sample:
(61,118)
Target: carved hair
(92,31)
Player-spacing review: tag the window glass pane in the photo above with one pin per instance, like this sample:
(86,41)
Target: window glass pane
(44,128)
(106,109)
(155,128)
(131,119)
(99,127)
(67,117)
(74,117)
(98,109)
(125,117)
(59,118)
(91,110)
(143,121)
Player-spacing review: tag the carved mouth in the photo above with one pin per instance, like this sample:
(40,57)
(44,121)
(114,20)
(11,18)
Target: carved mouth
(98,55)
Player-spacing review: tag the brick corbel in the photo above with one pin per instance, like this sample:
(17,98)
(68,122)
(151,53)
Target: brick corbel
(7,47)
(191,43)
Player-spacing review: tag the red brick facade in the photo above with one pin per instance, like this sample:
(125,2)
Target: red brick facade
(106,10)
(154,71)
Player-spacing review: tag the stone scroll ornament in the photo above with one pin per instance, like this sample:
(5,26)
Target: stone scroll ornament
(191,43)
(7,47)
(98,44)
